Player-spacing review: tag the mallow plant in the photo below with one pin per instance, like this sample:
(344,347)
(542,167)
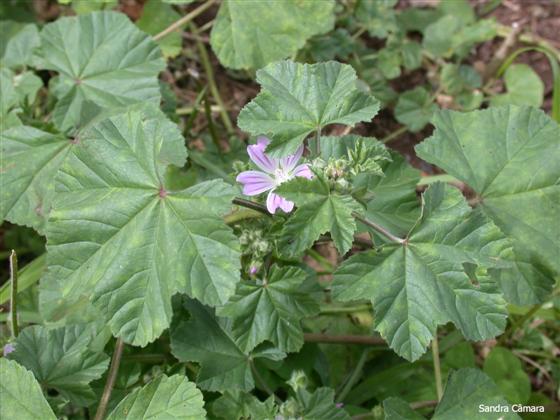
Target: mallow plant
(291,285)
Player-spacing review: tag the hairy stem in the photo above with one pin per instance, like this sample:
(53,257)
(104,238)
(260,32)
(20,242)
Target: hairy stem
(241,214)
(212,82)
(423,404)
(251,205)
(184,20)
(437,367)
(378,228)
(111,378)
(326,310)
(322,261)
(343,339)
(13,294)
(354,377)
(260,382)
(318,141)
(393,135)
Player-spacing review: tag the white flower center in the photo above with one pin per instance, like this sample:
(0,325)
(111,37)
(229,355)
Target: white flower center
(282,175)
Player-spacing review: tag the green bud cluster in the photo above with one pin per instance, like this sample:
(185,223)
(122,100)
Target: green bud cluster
(254,246)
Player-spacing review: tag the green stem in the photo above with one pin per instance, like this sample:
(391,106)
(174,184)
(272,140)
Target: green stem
(149,358)
(184,20)
(13,293)
(318,141)
(343,339)
(323,262)
(326,310)
(111,378)
(212,82)
(378,228)
(260,381)
(515,325)
(211,127)
(241,214)
(394,135)
(423,404)
(553,59)
(354,377)
(251,205)
(437,367)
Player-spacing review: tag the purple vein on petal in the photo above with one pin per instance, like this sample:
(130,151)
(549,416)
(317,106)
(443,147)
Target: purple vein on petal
(255,182)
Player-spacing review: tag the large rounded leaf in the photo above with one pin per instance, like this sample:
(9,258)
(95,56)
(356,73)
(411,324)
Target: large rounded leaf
(251,34)
(112,63)
(119,237)
(509,156)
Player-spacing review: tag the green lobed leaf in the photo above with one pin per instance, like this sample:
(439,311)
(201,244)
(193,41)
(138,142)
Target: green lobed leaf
(62,359)
(509,156)
(164,398)
(389,62)
(458,78)
(118,237)
(157,16)
(298,99)
(271,310)
(398,409)
(17,43)
(113,63)
(30,161)
(209,340)
(392,201)
(319,211)
(466,391)
(21,395)
(506,370)
(235,405)
(415,108)
(249,35)
(320,405)
(420,284)
(452,35)
(378,17)
(524,87)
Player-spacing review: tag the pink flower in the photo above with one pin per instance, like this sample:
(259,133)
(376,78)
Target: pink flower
(276,172)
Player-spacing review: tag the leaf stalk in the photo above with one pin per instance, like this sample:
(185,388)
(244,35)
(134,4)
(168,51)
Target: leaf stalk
(379,229)
(13,294)
(184,20)
(437,367)
(111,379)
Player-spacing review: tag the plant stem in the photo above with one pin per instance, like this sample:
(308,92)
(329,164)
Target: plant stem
(241,214)
(393,135)
(378,228)
(354,377)
(212,82)
(111,378)
(437,367)
(260,381)
(184,20)
(423,404)
(326,310)
(318,141)
(251,205)
(13,293)
(323,262)
(150,358)
(343,339)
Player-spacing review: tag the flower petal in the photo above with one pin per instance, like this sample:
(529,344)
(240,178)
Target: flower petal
(304,171)
(290,161)
(255,182)
(257,155)
(274,202)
